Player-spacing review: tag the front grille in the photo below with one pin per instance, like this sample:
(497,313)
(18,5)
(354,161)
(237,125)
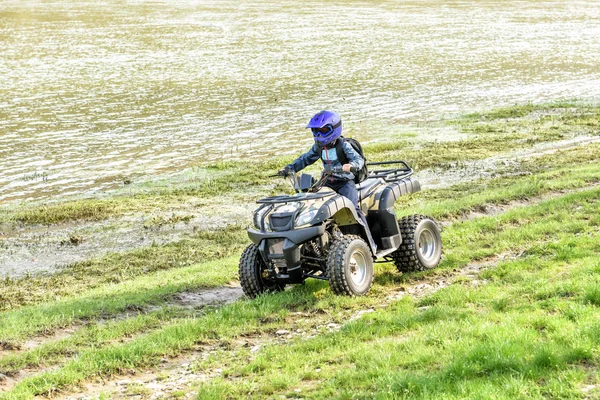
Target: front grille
(281,222)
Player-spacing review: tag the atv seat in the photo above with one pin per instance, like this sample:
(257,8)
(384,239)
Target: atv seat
(364,188)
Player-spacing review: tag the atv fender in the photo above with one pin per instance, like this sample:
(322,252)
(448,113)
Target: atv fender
(382,217)
(340,208)
(342,211)
(393,191)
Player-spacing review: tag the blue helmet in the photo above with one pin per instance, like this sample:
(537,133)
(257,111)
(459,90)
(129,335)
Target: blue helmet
(326,127)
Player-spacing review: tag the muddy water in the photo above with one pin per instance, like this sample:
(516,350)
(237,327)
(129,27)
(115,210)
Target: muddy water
(96,92)
(28,250)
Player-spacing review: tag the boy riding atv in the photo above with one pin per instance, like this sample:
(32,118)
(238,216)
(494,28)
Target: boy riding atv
(335,228)
(326,127)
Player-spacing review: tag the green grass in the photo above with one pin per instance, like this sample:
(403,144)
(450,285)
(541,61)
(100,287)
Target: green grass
(91,336)
(463,335)
(81,210)
(113,299)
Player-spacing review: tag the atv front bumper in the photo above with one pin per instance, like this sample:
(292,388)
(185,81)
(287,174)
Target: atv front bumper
(285,245)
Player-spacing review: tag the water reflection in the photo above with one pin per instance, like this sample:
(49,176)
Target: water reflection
(94,92)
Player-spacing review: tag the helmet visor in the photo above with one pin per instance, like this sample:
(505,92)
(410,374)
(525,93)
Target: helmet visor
(321,132)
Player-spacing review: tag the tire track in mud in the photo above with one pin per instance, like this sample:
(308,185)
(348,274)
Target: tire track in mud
(196,299)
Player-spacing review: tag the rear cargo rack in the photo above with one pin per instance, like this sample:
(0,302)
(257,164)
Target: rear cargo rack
(390,174)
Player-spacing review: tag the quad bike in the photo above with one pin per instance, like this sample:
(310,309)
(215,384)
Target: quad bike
(317,233)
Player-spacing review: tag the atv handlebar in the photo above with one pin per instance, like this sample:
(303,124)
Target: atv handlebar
(328,170)
(284,173)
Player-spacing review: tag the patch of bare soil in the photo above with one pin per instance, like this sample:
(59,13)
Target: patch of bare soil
(9,380)
(590,392)
(488,210)
(172,379)
(505,164)
(208,297)
(6,383)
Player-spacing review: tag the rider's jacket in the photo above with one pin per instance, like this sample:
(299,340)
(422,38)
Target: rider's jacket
(329,157)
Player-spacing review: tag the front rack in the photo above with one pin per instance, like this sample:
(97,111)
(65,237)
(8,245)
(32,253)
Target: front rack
(295,197)
(390,174)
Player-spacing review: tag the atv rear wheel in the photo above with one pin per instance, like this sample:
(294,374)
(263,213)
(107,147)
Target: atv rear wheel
(350,266)
(421,247)
(254,276)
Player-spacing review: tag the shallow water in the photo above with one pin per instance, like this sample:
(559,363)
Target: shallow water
(93,93)
(27,250)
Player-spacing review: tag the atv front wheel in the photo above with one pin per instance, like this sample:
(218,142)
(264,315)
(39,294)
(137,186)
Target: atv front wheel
(254,276)
(421,246)
(350,266)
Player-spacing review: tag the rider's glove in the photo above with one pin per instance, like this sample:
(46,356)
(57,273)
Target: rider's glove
(286,171)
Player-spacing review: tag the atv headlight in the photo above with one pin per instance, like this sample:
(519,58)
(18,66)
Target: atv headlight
(259,217)
(306,216)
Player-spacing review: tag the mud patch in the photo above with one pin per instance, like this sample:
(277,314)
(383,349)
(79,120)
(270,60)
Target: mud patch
(506,164)
(207,297)
(590,391)
(27,250)
(9,380)
(174,380)
(490,210)
(6,345)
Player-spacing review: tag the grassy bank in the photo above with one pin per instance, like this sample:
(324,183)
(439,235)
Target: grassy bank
(534,318)
(523,327)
